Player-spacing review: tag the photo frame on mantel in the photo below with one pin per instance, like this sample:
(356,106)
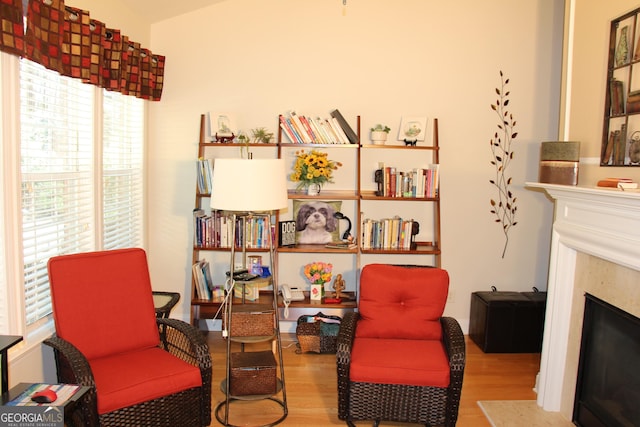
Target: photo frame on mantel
(621,129)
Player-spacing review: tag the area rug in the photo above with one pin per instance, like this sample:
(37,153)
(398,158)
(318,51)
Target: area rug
(517,413)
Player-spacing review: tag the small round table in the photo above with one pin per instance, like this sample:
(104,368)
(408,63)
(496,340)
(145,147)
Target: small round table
(164,302)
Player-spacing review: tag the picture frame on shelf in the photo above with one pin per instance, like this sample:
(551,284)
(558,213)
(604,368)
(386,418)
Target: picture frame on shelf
(412,128)
(222,126)
(315,222)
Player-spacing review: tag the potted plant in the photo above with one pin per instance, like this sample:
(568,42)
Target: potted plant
(262,135)
(379,134)
(244,140)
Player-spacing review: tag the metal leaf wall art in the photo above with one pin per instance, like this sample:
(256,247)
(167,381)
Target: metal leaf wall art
(503,207)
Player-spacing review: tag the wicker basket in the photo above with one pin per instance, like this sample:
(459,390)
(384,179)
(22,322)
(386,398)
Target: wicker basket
(248,320)
(253,373)
(317,335)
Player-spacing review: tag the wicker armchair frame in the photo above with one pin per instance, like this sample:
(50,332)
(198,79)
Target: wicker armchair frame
(190,407)
(431,406)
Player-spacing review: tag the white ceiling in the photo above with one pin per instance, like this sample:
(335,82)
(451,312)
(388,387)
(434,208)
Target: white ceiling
(159,10)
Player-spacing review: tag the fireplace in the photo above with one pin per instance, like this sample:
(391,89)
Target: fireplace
(595,249)
(608,385)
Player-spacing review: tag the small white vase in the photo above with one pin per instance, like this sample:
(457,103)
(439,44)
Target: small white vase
(313,189)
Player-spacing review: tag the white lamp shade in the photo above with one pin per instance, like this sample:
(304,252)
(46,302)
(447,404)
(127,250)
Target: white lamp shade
(249,185)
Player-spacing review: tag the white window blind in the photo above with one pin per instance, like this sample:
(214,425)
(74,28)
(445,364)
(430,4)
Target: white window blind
(4,300)
(122,175)
(56,116)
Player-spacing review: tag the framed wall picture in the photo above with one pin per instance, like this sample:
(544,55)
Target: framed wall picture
(621,129)
(315,221)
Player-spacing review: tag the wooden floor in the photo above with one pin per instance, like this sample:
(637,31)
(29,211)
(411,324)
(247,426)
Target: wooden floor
(312,392)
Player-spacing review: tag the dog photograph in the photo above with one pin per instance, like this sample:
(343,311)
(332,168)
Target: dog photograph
(315,223)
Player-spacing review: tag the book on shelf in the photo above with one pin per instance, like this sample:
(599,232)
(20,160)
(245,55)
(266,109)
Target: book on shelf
(617,97)
(198,276)
(64,393)
(205,174)
(205,288)
(416,183)
(387,233)
(297,124)
(301,129)
(626,183)
(337,129)
(351,135)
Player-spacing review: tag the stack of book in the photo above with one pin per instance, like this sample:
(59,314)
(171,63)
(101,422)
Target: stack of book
(388,233)
(416,183)
(301,129)
(215,231)
(205,288)
(205,174)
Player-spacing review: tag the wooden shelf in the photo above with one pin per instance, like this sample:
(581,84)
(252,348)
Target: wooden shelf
(371,195)
(331,195)
(350,302)
(315,249)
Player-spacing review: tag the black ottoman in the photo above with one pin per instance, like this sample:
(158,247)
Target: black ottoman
(507,322)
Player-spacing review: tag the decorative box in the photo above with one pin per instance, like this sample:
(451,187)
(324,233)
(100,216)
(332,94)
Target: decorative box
(248,320)
(559,162)
(253,373)
(318,333)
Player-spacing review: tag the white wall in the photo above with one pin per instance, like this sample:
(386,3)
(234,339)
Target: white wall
(381,61)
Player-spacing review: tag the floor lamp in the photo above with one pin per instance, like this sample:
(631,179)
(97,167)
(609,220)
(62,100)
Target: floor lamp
(248,188)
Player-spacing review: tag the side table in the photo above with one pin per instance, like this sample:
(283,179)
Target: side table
(164,302)
(6,342)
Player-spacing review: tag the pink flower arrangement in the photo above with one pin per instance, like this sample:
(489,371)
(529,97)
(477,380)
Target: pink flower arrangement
(318,272)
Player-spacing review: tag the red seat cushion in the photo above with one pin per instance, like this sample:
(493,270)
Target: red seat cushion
(401,302)
(127,379)
(407,362)
(103,302)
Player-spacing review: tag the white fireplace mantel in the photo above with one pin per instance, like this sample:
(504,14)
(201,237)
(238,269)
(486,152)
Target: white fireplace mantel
(602,222)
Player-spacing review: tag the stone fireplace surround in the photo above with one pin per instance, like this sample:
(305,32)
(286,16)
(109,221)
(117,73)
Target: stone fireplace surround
(595,248)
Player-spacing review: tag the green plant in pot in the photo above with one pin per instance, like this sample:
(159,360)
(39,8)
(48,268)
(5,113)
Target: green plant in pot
(379,134)
(244,140)
(262,135)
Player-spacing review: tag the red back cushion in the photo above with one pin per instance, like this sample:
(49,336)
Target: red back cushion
(102,301)
(401,302)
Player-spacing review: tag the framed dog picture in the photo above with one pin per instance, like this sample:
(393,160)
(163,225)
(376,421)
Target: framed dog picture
(315,223)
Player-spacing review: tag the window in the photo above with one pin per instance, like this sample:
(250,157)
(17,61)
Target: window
(81,190)
(122,148)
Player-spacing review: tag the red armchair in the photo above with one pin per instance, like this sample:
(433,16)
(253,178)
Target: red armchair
(107,338)
(398,358)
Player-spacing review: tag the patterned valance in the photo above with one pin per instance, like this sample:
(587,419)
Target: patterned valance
(67,40)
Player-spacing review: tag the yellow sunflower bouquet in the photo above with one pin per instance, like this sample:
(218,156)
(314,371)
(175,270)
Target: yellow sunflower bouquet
(313,167)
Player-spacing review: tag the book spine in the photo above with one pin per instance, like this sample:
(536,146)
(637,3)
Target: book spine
(307,128)
(339,131)
(287,129)
(297,124)
(329,128)
(350,134)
